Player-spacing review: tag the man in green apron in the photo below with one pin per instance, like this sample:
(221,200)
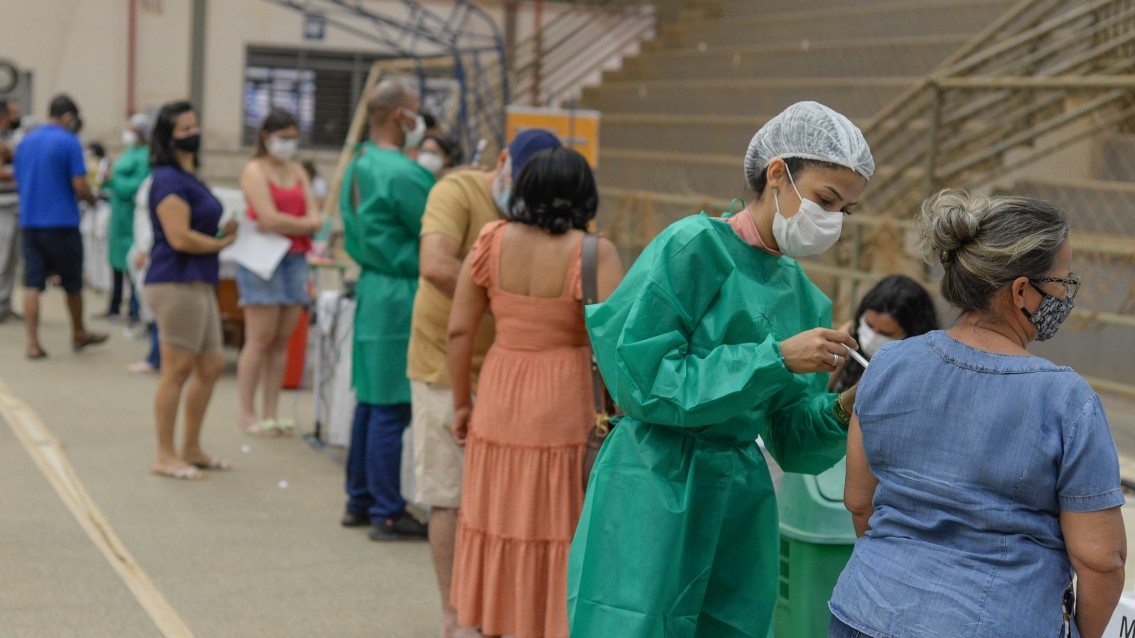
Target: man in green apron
(383,196)
(131,169)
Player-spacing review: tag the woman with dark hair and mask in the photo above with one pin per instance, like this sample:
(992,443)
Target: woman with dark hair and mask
(981,478)
(895,308)
(716,337)
(525,438)
(181,289)
(280,200)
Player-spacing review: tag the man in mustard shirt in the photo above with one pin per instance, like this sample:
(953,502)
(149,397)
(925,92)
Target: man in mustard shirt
(458,208)
(383,196)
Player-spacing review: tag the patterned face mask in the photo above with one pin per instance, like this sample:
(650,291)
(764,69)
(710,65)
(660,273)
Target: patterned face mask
(1051,313)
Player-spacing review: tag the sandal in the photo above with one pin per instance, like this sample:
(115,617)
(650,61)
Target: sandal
(88,339)
(287,427)
(35,352)
(264,429)
(187,473)
(213,463)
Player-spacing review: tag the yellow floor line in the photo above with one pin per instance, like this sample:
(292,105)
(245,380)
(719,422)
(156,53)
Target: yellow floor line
(48,455)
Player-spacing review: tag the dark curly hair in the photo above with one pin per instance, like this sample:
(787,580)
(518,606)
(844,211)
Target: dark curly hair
(900,297)
(554,191)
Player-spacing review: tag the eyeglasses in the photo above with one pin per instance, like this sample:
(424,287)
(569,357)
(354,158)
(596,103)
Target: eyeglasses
(1071,283)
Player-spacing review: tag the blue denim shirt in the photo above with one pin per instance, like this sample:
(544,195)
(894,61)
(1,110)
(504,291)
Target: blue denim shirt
(976,455)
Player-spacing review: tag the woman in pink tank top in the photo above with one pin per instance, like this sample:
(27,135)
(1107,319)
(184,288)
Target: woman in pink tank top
(280,201)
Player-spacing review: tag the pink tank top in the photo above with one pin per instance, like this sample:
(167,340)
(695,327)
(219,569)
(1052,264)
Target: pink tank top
(289,201)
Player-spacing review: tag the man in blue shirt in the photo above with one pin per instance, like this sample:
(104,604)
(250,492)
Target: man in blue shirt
(50,174)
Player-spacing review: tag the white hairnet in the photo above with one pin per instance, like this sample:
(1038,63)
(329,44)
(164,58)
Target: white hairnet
(809,130)
(144,123)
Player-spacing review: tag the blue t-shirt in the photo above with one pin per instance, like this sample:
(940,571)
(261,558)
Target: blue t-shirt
(166,264)
(976,455)
(46,161)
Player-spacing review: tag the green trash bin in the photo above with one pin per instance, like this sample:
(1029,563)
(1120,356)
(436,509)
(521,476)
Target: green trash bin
(816,539)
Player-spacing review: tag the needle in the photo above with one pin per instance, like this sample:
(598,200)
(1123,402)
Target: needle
(858,357)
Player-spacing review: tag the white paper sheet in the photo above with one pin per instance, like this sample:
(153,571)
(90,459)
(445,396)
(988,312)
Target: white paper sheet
(256,250)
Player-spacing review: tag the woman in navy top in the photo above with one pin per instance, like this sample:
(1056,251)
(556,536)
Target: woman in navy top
(181,289)
(982,478)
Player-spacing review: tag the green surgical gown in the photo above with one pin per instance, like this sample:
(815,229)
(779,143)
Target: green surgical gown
(678,536)
(382,237)
(131,169)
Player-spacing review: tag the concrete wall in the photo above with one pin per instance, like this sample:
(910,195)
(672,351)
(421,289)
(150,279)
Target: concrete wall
(80,46)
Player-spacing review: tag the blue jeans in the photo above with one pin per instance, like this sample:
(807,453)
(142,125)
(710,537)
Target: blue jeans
(374,462)
(155,356)
(839,629)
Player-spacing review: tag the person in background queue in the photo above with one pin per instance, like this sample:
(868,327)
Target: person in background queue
(458,208)
(181,288)
(51,175)
(383,196)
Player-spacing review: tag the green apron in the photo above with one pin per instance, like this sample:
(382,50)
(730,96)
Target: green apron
(678,536)
(131,169)
(382,237)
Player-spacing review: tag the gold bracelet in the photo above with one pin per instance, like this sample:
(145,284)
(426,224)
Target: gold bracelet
(841,413)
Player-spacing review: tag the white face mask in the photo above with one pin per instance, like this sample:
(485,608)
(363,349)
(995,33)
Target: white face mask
(869,340)
(129,138)
(502,193)
(413,136)
(811,231)
(432,162)
(282,148)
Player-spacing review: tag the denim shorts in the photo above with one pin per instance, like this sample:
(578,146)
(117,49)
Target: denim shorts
(50,251)
(287,287)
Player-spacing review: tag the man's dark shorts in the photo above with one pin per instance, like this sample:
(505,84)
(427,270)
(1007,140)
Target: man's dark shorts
(50,251)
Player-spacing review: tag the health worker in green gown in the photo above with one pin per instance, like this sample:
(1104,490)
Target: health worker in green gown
(131,169)
(383,197)
(714,337)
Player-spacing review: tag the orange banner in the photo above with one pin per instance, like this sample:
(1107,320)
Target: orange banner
(577,129)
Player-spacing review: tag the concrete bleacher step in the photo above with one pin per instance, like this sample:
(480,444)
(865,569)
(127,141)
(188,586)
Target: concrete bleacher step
(861,58)
(679,173)
(678,133)
(854,96)
(1115,160)
(875,20)
(684,133)
(1093,206)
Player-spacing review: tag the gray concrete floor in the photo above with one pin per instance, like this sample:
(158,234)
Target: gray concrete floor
(234,555)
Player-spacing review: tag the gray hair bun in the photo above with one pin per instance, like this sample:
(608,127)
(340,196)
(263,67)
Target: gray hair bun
(950,222)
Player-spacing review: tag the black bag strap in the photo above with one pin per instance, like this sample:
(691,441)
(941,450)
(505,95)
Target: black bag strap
(589,267)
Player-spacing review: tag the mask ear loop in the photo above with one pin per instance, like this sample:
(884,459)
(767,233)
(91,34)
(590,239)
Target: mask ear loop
(793,182)
(732,206)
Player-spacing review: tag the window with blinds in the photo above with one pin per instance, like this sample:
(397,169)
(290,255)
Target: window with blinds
(321,88)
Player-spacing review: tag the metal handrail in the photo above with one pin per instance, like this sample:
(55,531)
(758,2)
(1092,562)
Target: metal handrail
(1004,91)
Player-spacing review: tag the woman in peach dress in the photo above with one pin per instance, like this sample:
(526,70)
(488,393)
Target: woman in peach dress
(525,440)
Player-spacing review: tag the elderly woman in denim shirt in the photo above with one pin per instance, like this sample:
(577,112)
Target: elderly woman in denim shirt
(981,478)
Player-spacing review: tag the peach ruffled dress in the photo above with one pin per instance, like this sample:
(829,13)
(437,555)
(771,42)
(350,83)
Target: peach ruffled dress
(523,484)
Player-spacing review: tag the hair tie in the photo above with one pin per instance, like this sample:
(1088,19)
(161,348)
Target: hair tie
(947,256)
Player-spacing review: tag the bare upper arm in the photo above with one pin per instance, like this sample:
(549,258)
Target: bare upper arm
(610,268)
(859,486)
(254,185)
(173,215)
(1096,541)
